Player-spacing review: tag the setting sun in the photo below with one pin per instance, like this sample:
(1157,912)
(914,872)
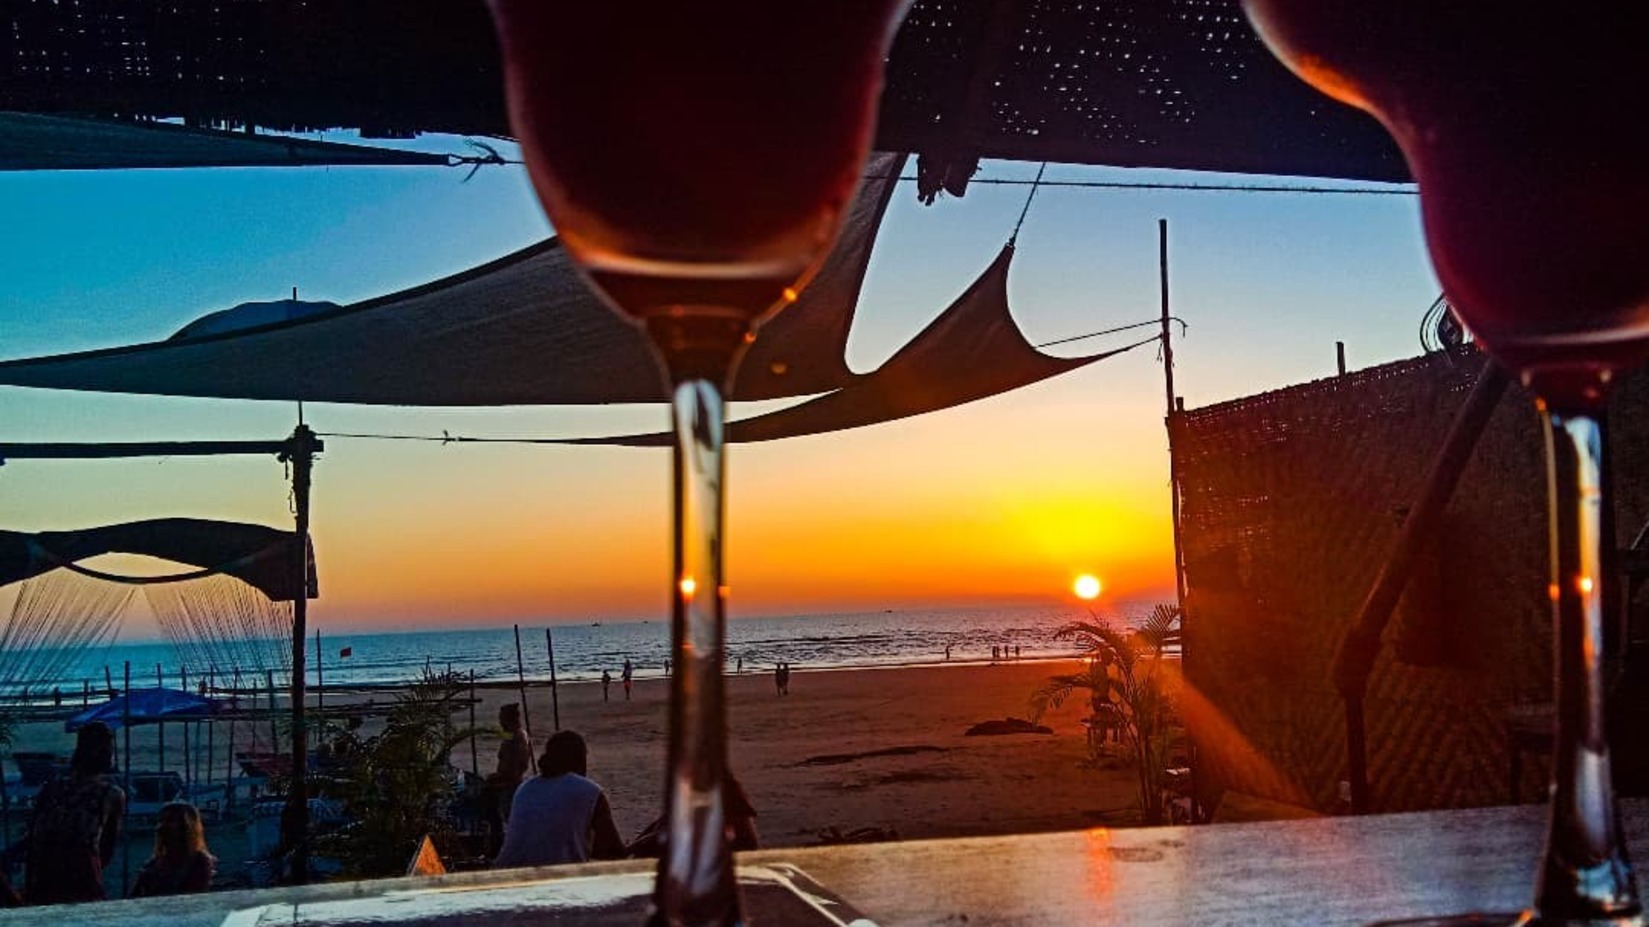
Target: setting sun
(1087,586)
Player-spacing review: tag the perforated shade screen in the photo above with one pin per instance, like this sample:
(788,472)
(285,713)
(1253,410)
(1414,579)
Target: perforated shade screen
(1159,83)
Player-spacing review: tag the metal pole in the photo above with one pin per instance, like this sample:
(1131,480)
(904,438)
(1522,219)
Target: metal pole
(300,452)
(555,699)
(521,681)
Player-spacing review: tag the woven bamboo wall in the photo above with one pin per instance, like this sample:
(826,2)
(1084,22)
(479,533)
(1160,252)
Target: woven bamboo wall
(1292,502)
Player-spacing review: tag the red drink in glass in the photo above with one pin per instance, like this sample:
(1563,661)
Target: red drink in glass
(1524,125)
(695,156)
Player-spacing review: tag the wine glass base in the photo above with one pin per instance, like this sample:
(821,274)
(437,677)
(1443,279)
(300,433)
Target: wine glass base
(773,895)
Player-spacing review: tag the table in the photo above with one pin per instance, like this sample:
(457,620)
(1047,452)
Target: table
(1321,872)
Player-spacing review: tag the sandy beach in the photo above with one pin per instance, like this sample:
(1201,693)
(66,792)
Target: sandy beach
(881,748)
(849,749)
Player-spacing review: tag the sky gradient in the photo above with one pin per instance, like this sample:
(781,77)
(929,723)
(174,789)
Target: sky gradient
(1003,500)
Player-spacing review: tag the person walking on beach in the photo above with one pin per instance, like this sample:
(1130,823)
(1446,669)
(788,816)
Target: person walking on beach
(560,815)
(514,762)
(75,825)
(784,678)
(628,672)
(606,682)
(180,864)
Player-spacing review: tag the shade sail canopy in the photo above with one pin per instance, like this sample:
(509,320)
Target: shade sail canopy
(255,554)
(522,330)
(144,706)
(1165,83)
(31,141)
(972,351)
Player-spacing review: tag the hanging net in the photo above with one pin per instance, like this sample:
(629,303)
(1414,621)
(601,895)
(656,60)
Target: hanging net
(225,628)
(56,618)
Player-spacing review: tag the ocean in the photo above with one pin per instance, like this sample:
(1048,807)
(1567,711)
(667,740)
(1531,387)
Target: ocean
(582,651)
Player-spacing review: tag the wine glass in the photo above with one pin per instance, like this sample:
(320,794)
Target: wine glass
(696,160)
(1523,124)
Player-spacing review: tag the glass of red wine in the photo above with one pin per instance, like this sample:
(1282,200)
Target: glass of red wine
(1524,127)
(696,160)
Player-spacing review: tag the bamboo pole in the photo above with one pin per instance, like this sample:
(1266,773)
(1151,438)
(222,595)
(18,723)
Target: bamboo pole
(320,677)
(160,725)
(521,682)
(188,753)
(475,759)
(211,729)
(126,774)
(1355,660)
(555,698)
(229,753)
(300,453)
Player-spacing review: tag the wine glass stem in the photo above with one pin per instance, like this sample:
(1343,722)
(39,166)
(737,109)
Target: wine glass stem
(695,885)
(1585,878)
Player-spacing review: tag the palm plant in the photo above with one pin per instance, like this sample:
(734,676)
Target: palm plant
(397,784)
(1141,686)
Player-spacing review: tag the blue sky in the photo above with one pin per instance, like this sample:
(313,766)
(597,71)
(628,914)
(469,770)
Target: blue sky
(1267,283)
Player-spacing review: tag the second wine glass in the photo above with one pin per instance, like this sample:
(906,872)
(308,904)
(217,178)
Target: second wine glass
(1522,125)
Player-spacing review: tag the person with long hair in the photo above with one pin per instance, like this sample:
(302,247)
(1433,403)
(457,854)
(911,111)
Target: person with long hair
(75,825)
(560,815)
(180,864)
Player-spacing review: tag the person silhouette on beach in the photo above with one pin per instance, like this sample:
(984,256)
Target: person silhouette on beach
(740,666)
(783,679)
(560,815)
(514,762)
(628,672)
(947,651)
(606,683)
(75,825)
(180,864)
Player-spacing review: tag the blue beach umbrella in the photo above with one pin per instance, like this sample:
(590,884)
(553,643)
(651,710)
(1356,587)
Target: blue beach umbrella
(147,706)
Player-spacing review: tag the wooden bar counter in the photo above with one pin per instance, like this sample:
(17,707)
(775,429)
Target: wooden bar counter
(1323,872)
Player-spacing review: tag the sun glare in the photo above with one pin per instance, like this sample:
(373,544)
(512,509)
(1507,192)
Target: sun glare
(1087,586)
